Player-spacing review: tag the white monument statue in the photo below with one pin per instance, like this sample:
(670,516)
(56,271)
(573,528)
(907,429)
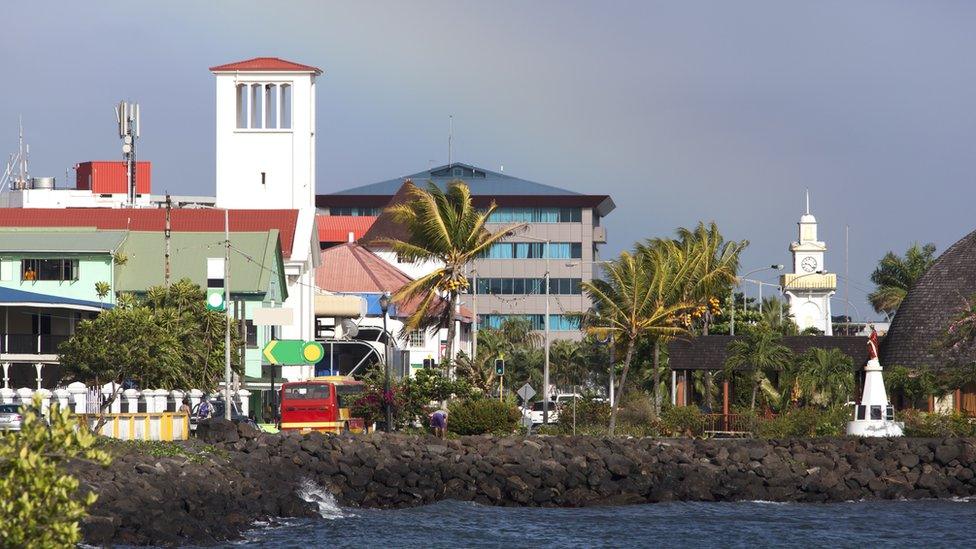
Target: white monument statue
(873,415)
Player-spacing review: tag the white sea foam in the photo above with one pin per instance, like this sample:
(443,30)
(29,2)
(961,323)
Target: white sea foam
(328,508)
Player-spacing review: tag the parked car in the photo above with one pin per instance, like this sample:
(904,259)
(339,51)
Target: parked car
(10,417)
(217,410)
(537,413)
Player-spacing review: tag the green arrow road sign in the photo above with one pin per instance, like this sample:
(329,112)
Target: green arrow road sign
(293,351)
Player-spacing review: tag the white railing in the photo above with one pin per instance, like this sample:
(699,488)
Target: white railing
(88,400)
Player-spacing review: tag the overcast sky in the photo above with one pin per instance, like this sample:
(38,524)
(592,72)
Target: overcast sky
(682,111)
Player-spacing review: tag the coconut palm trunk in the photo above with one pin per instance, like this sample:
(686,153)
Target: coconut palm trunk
(657,377)
(623,383)
(451,331)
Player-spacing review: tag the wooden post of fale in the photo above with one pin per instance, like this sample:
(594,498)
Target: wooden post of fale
(725,405)
(957,400)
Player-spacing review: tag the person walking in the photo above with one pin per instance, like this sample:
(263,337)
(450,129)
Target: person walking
(185,407)
(438,421)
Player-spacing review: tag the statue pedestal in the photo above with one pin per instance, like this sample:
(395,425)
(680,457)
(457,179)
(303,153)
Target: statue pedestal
(874,416)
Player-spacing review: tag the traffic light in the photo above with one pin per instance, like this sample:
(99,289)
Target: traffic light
(500,366)
(215,284)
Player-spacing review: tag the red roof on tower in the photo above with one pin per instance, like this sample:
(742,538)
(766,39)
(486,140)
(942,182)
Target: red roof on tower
(266,64)
(154,219)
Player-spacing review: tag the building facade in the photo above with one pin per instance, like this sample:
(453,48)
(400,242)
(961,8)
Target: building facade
(558,232)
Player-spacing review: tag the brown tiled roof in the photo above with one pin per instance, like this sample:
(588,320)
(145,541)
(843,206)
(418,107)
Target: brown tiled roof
(385,227)
(930,305)
(710,352)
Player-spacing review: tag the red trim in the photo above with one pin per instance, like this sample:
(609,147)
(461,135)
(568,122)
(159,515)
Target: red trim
(266,64)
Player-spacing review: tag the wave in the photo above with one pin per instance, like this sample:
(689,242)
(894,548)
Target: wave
(326,502)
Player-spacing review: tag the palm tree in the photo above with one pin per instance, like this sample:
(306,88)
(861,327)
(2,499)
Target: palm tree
(762,353)
(710,264)
(825,376)
(567,362)
(637,299)
(895,275)
(442,227)
(715,263)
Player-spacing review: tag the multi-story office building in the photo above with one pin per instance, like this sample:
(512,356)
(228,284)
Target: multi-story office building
(561,232)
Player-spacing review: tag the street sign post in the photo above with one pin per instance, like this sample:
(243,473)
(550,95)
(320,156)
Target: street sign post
(526,392)
(293,351)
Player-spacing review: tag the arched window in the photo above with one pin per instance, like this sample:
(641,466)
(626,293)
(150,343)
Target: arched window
(270,106)
(257,102)
(285,109)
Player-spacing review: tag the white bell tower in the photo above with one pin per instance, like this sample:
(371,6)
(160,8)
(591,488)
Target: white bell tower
(809,288)
(265,134)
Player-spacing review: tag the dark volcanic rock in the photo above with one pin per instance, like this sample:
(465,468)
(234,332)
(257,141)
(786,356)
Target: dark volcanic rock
(171,501)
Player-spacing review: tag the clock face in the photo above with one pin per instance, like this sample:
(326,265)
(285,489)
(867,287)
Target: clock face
(809,264)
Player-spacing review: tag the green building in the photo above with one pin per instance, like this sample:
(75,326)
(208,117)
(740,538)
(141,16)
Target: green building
(257,274)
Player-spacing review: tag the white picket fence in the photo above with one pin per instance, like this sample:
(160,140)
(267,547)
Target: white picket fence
(88,400)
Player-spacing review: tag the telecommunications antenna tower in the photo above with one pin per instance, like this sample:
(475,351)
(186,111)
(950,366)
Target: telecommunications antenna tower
(127,115)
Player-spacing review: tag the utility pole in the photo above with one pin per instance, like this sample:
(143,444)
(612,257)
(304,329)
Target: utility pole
(545,369)
(166,235)
(227,319)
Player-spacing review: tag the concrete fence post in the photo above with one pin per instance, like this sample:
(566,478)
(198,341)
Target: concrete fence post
(176,396)
(62,398)
(161,397)
(7,395)
(244,401)
(108,391)
(149,397)
(79,396)
(131,400)
(45,401)
(196,395)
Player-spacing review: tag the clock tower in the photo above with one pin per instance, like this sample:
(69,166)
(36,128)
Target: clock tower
(809,288)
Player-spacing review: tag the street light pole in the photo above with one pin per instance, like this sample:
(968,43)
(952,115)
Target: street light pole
(227,371)
(775,267)
(545,367)
(385,306)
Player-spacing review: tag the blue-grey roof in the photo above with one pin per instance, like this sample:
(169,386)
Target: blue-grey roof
(11,296)
(479,180)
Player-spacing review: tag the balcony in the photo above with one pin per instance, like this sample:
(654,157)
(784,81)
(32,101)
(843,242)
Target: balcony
(31,344)
(599,235)
(813,281)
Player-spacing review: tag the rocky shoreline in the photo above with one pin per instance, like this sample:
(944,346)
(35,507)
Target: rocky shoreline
(220,484)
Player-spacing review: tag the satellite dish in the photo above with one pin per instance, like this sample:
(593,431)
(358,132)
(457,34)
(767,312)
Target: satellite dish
(349,327)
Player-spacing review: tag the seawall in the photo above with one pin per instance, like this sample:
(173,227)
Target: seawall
(246,476)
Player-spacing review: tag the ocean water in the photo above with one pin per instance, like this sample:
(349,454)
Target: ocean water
(453,524)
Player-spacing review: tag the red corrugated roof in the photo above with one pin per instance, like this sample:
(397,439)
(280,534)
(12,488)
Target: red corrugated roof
(266,64)
(336,228)
(154,219)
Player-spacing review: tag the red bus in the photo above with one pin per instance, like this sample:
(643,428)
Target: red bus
(321,404)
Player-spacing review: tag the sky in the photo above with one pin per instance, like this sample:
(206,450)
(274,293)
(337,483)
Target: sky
(681,111)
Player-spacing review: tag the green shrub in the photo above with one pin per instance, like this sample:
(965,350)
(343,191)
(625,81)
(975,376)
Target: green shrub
(482,416)
(935,425)
(808,421)
(679,421)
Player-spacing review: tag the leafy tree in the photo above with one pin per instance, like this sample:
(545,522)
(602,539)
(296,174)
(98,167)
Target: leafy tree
(761,353)
(825,377)
(446,228)
(168,340)
(895,275)
(39,506)
(637,299)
